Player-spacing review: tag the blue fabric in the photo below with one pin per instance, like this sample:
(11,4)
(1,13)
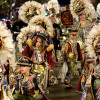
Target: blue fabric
(17,83)
(82,85)
(5,85)
(34,34)
(50,40)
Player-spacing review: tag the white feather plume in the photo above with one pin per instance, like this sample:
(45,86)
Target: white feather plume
(23,34)
(7,50)
(46,20)
(95,32)
(98,8)
(24,8)
(53,4)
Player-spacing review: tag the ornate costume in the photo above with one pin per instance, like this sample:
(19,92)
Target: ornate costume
(27,86)
(85,84)
(97,83)
(83,29)
(35,41)
(6,53)
(83,12)
(42,56)
(73,54)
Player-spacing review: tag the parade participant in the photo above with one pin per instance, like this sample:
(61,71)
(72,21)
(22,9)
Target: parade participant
(96,74)
(92,41)
(83,12)
(92,48)
(26,83)
(41,54)
(6,53)
(73,54)
(96,85)
(86,80)
(53,9)
(39,48)
(57,33)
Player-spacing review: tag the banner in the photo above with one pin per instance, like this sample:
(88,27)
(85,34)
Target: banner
(66,17)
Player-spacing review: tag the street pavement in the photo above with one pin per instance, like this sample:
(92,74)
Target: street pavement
(60,92)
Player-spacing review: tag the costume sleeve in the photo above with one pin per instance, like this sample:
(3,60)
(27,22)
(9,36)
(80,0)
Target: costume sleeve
(83,78)
(5,84)
(17,83)
(50,40)
(83,81)
(27,52)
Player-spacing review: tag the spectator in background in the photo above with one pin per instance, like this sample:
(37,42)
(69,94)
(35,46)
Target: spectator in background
(8,24)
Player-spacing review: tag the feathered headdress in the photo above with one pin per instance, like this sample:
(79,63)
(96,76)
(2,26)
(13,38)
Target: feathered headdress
(98,9)
(24,34)
(81,6)
(30,9)
(53,6)
(40,20)
(6,44)
(92,40)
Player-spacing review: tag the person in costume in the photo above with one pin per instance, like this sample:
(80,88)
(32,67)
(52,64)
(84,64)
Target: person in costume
(41,55)
(72,53)
(57,33)
(83,12)
(86,79)
(96,81)
(6,53)
(26,86)
(96,74)
(53,8)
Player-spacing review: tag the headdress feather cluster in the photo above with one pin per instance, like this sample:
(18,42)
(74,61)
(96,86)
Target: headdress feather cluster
(6,44)
(82,6)
(53,4)
(30,9)
(92,40)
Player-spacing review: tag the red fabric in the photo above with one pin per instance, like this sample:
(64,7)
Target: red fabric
(78,87)
(78,50)
(27,52)
(50,61)
(69,47)
(45,97)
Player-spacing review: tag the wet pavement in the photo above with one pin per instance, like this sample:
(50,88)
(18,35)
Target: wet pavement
(60,92)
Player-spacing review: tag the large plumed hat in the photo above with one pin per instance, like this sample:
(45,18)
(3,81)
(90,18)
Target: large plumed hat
(6,44)
(89,59)
(29,9)
(53,6)
(25,61)
(81,6)
(92,41)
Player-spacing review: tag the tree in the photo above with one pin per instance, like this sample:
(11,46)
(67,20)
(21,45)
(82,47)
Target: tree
(4,7)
